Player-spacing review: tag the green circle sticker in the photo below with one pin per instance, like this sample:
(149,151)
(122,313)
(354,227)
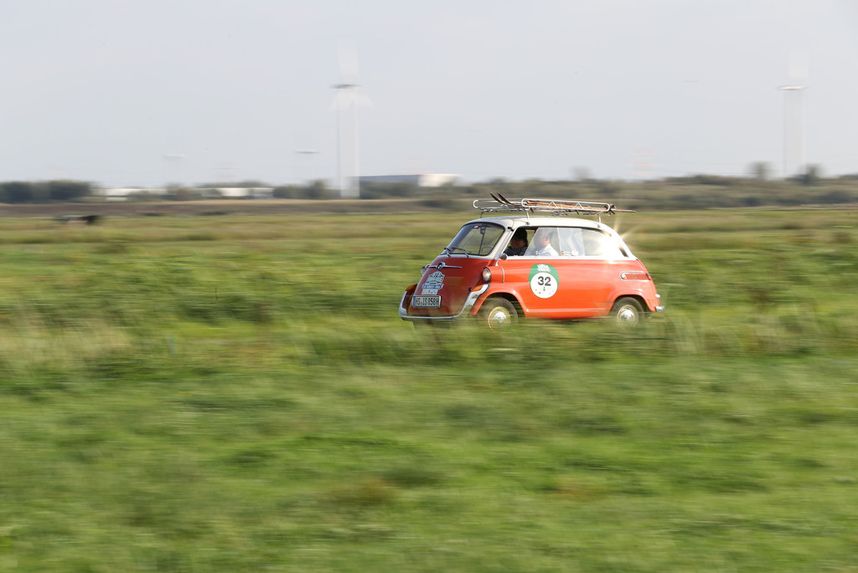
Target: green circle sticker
(544,280)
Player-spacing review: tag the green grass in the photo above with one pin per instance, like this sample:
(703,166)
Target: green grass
(238,394)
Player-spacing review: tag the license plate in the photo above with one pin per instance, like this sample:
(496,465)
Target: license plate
(424,301)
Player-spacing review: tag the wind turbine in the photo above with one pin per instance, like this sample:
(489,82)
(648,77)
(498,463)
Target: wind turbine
(307,153)
(348,97)
(793,143)
(173,172)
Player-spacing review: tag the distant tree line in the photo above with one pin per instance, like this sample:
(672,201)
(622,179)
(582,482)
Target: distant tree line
(43,191)
(686,192)
(313,190)
(173,192)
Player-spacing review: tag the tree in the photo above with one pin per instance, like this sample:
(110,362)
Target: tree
(811,176)
(67,190)
(43,191)
(313,190)
(582,174)
(17,191)
(760,170)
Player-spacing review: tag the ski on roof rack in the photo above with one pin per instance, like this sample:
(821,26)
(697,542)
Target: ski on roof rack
(500,204)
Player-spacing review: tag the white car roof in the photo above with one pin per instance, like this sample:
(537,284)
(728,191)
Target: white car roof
(523,221)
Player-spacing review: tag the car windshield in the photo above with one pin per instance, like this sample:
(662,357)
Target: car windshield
(477,239)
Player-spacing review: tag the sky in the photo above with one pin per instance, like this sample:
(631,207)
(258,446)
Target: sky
(123,92)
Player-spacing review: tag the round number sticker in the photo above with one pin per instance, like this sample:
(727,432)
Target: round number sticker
(543,281)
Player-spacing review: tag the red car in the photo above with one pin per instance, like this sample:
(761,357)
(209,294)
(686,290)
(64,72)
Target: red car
(533,258)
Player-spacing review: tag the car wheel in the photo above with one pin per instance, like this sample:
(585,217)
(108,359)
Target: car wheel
(627,311)
(498,313)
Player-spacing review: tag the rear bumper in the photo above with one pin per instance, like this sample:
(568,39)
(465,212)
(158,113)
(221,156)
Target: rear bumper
(469,304)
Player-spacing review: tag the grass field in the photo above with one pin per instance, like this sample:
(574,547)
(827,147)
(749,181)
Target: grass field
(237,393)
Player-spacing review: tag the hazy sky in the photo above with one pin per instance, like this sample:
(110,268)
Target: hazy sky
(139,92)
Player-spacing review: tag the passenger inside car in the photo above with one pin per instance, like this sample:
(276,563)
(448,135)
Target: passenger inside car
(543,243)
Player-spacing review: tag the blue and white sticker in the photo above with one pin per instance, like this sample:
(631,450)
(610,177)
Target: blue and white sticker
(433,283)
(544,280)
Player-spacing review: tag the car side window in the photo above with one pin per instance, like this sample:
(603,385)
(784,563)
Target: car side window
(519,242)
(599,244)
(545,243)
(570,242)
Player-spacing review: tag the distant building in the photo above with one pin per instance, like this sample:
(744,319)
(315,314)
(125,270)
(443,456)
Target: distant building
(237,192)
(421,180)
(131,193)
(125,193)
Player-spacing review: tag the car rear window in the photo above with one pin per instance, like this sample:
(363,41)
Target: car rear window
(599,244)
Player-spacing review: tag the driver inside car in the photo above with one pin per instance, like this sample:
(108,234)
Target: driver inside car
(517,245)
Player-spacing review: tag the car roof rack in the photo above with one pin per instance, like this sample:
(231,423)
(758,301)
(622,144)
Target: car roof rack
(500,204)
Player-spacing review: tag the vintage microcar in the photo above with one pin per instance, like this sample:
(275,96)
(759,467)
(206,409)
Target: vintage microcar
(533,258)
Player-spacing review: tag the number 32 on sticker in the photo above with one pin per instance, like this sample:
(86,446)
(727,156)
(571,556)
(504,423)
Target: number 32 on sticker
(543,281)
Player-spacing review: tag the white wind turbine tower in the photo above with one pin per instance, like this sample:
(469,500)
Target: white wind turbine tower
(793,143)
(348,98)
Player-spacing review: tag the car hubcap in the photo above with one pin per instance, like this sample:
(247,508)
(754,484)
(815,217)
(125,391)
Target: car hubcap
(627,314)
(498,318)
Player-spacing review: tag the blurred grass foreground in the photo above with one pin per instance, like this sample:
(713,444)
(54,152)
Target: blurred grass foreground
(237,394)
